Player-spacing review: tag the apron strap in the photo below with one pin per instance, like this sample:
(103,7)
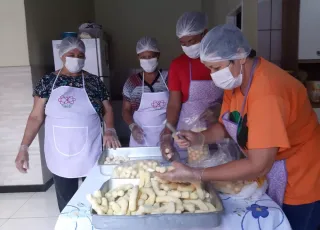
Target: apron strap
(83,82)
(142,83)
(190,70)
(163,80)
(55,80)
(255,62)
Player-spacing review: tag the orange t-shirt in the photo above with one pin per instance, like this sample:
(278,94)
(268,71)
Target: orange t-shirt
(278,113)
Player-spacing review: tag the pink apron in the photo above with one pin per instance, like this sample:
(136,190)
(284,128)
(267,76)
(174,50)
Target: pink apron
(150,116)
(202,94)
(277,177)
(73,136)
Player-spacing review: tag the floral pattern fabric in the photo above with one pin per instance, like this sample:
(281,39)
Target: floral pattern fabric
(95,88)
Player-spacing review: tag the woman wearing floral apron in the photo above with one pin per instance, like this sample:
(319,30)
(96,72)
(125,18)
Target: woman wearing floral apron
(268,113)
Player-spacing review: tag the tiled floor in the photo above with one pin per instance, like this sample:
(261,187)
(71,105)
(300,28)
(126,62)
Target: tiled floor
(36,211)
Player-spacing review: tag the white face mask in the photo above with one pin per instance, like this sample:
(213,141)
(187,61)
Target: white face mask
(192,51)
(74,65)
(225,80)
(149,65)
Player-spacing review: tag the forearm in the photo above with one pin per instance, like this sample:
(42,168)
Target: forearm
(109,118)
(215,133)
(173,113)
(32,129)
(242,169)
(127,117)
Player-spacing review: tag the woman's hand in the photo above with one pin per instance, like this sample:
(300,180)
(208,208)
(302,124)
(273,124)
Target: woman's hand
(22,159)
(110,139)
(137,133)
(168,151)
(189,139)
(182,174)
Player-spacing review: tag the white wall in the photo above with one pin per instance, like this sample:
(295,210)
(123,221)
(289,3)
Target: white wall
(13,39)
(126,21)
(46,20)
(217,11)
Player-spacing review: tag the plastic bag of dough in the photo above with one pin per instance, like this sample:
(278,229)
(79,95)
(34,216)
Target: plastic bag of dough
(227,151)
(195,124)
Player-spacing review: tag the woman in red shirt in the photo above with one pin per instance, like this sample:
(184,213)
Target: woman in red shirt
(191,90)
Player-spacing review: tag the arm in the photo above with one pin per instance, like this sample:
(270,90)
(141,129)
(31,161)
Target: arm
(127,112)
(258,163)
(173,109)
(175,96)
(110,138)
(35,121)
(136,131)
(108,114)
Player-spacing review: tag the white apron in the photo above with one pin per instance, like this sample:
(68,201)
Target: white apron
(150,116)
(73,134)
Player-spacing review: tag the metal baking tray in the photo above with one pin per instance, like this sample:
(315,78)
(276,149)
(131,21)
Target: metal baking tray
(199,221)
(136,153)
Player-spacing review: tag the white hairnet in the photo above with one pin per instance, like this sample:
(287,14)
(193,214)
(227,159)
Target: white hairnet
(224,42)
(191,23)
(147,44)
(70,43)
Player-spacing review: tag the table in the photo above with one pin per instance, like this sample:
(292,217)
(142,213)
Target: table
(263,214)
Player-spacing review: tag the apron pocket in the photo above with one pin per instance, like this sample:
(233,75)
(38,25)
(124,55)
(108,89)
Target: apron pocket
(70,141)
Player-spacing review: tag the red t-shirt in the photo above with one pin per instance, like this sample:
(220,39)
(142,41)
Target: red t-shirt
(179,74)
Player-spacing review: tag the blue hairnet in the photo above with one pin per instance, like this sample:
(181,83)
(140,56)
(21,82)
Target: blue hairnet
(224,42)
(191,23)
(147,44)
(70,43)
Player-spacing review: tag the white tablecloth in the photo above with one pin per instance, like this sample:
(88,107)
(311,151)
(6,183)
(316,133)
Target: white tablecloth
(262,214)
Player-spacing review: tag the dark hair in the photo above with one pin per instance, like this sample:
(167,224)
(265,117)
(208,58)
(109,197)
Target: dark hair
(252,53)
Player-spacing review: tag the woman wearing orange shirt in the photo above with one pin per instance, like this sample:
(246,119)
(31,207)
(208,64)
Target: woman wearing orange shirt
(268,113)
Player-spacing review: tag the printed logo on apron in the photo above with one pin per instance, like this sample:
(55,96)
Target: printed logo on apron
(159,104)
(66,101)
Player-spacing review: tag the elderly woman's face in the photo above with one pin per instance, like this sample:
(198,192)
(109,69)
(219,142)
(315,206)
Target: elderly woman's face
(148,55)
(75,53)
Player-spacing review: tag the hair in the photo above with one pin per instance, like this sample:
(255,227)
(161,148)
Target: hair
(252,53)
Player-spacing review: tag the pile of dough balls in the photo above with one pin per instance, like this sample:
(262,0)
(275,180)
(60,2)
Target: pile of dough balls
(115,160)
(152,196)
(133,169)
(198,153)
